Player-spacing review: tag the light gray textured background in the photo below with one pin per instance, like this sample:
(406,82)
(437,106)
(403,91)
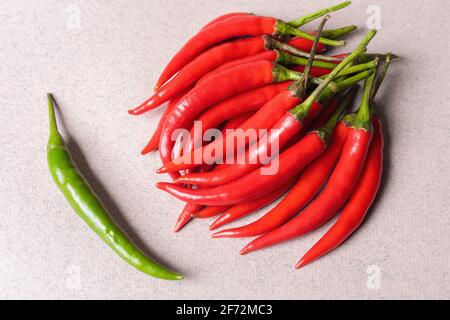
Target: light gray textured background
(109,64)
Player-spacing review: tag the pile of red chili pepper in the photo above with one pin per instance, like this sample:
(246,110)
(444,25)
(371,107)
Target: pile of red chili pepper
(243,74)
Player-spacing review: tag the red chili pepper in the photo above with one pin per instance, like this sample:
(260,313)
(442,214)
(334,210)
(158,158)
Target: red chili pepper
(340,186)
(234,27)
(153,143)
(210,211)
(365,192)
(244,209)
(224,85)
(308,184)
(225,17)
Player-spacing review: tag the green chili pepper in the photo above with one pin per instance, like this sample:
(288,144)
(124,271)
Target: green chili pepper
(89,208)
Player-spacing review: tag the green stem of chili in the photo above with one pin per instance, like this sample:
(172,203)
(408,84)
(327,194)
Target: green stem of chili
(320,13)
(290,60)
(357,68)
(329,93)
(383,73)
(363,116)
(298,88)
(284,28)
(86,204)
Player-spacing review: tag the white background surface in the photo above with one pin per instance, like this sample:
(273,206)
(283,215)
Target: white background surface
(109,64)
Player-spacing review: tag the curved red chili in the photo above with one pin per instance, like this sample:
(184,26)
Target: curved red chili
(153,143)
(225,17)
(340,186)
(244,209)
(358,205)
(237,121)
(234,27)
(307,186)
(210,211)
(365,192)
(186,215)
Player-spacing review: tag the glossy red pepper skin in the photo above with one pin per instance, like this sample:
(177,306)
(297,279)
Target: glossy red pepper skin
(221,31)
(153,143)
(210,211)
(338,190)
(254,185)
(225,17)
(359,204)
(197,68)
(244,209)
(234,107)
(308,185)
(237,121)
(224,85)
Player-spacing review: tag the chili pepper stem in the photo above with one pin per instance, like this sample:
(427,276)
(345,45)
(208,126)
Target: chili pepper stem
(362,119)
(338,33)
(325,97)
(284,28)
(308,66)
(320,13)
(302,110)
(357,68)
(299,87)
(383,73)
